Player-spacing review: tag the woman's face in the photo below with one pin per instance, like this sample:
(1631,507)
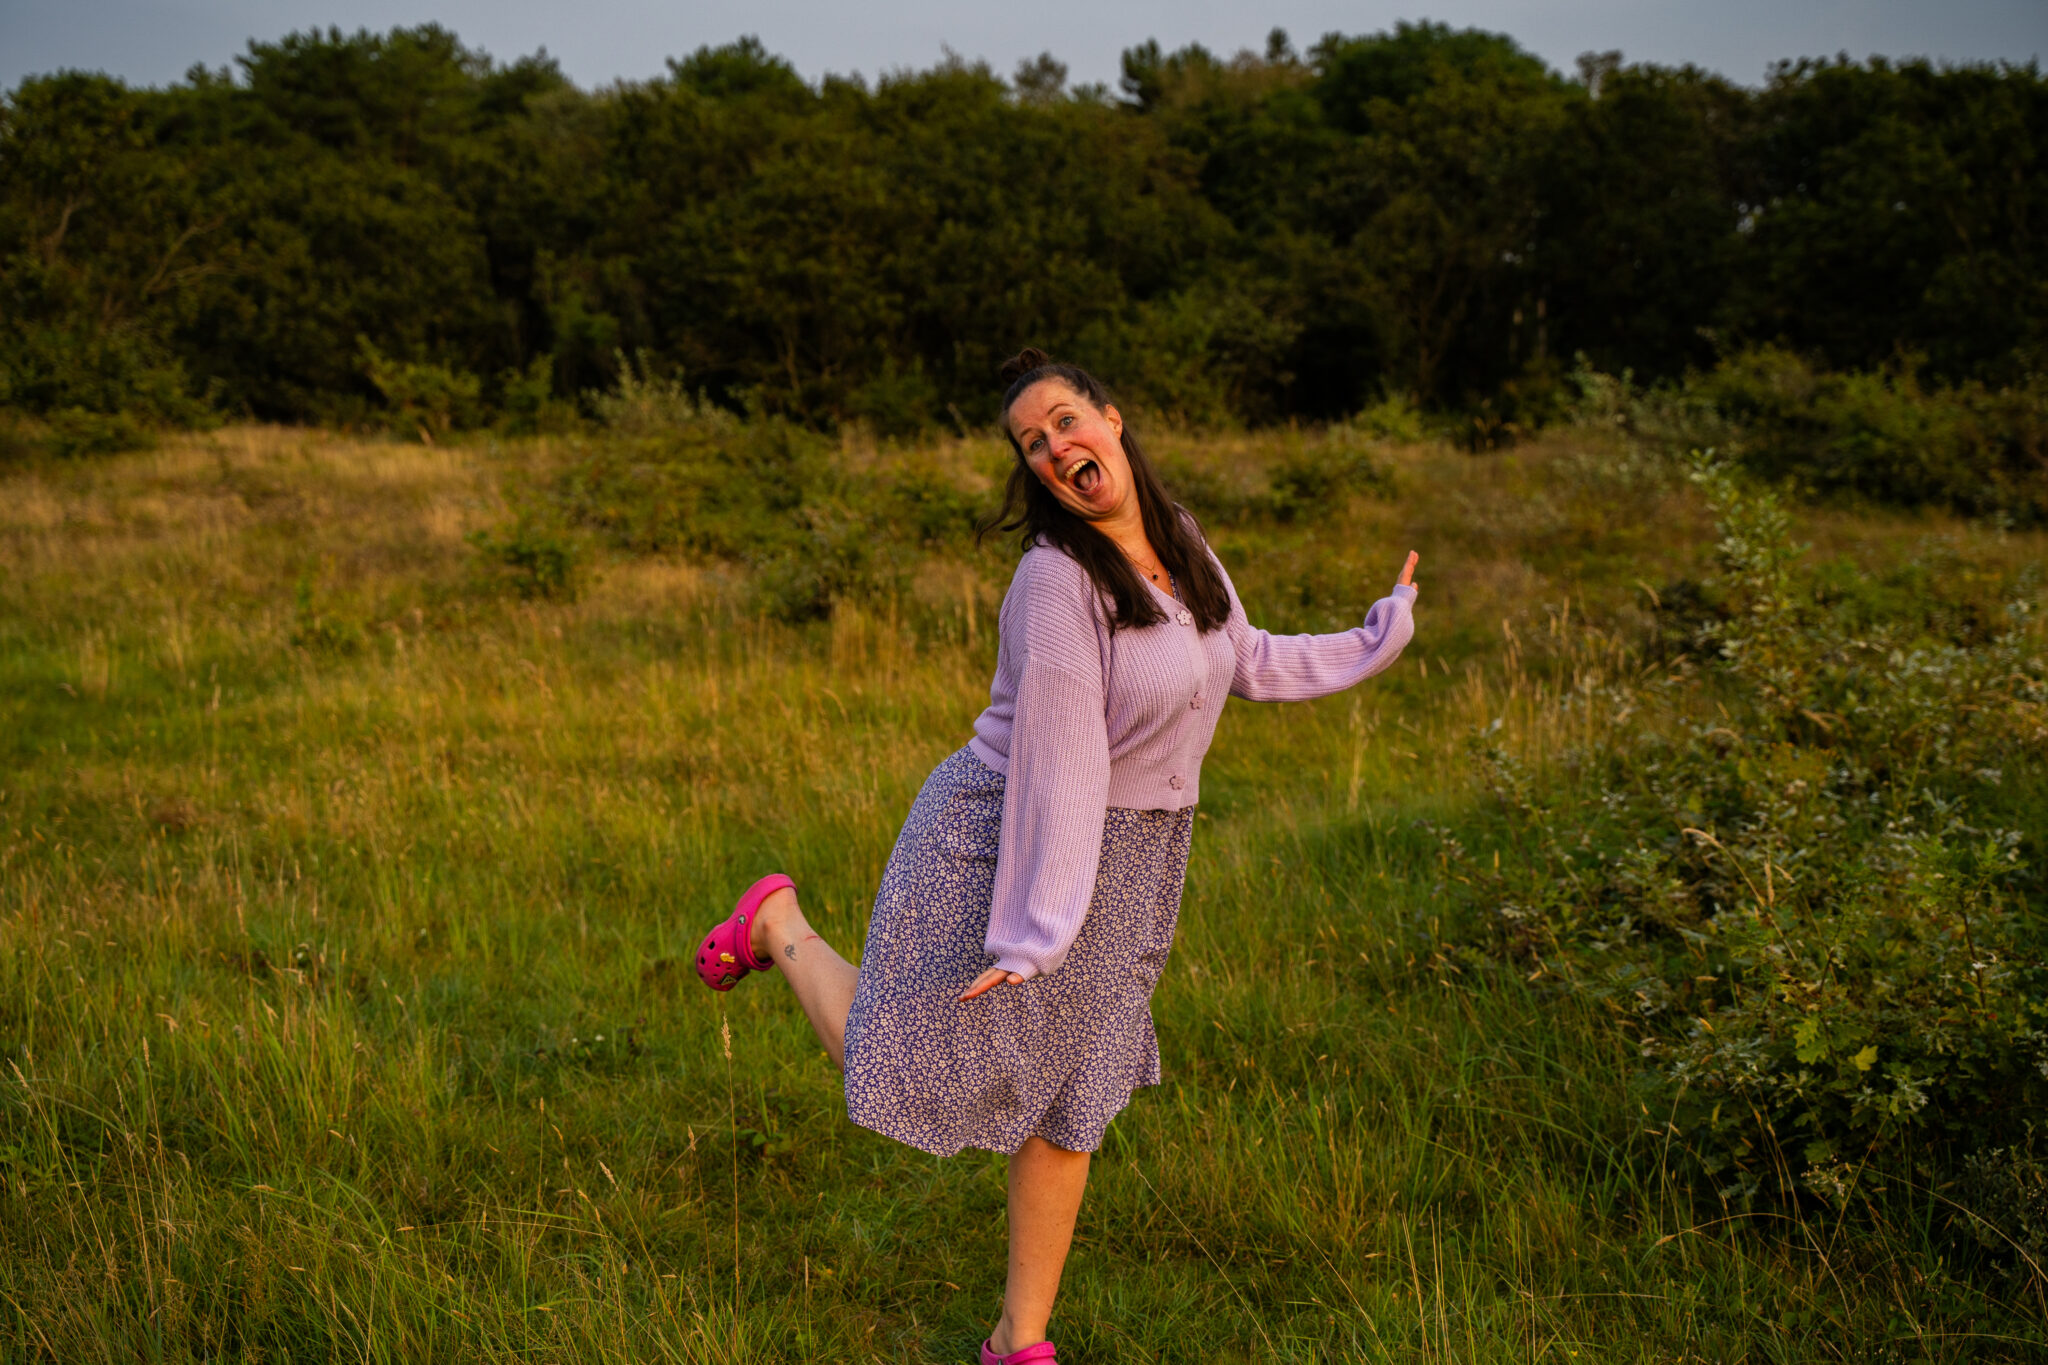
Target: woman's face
(1075,449)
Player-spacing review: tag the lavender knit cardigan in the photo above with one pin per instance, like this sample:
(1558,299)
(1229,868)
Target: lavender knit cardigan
(1080,720)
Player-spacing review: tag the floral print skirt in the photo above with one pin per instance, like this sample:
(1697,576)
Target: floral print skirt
(1056,1056)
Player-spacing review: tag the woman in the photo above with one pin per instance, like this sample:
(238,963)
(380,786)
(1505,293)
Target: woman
(1003,997)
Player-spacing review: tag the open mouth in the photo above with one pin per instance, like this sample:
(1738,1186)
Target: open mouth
(1084,475)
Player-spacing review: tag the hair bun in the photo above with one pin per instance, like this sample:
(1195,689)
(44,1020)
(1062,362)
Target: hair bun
(1023,363)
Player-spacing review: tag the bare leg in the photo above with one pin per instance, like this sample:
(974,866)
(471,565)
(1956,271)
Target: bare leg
(822,979)
(1045,1198)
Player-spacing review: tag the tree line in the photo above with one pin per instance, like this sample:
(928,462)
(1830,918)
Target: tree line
(344,223)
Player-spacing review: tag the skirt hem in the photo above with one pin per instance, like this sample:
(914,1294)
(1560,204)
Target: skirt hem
(920,1139)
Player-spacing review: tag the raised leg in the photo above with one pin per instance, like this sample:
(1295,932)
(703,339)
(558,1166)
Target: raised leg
(1045,1198)
(822,979)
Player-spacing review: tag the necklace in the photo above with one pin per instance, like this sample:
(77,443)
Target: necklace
(1172,585)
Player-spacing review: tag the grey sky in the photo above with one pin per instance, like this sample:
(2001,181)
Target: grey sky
(154,41)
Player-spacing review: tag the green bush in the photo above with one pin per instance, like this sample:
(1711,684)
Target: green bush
(104,369)
(817,521)
(1881,436)
(81,431)
(1313,478)
(1209,356)
(2006,1191)
(527,405)
(1801,870)
(421,396)
(647,404)
(536,558)
(94,390)
(1884,436)
(1316,480)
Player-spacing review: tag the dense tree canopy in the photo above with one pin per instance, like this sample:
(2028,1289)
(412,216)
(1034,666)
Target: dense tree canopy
(1427,211)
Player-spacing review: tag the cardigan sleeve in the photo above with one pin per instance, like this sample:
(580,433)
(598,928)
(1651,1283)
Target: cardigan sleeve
(1300,667)
(1056,790)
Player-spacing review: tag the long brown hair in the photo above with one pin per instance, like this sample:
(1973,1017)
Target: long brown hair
(1030,509)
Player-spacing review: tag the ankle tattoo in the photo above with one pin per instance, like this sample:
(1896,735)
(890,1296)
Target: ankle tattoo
(789,951)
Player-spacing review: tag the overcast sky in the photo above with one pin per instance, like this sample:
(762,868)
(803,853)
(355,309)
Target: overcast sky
(155,41)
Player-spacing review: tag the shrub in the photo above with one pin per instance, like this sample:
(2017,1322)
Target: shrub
(1879,436)
(1206,356)
(644,403)
(817,521)
(537,559)
(2006,1191)
(1799,871)
(421,396)
(527,404)
(106,371)
(90,390)
(1884,437)
(1316,480)
(1392,418)
(80,431)
(1313,478)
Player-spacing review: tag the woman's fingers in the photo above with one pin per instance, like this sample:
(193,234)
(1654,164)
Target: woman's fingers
(988,980)
(1408,570)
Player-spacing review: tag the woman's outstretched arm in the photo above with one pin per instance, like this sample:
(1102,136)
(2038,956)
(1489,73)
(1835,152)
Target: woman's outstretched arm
(1300,667)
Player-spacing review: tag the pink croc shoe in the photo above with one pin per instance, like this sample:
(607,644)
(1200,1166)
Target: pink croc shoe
(727,952)
(1042,1351)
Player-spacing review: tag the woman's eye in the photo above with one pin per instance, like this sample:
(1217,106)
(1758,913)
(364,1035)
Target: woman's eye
(1067,421)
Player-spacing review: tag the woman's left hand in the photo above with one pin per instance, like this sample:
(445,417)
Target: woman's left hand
(988,980)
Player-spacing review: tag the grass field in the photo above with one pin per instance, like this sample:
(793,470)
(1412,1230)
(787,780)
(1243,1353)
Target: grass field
(346,903)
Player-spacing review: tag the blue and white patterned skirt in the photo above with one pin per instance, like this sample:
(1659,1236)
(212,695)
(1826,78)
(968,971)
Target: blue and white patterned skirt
(1056,1056)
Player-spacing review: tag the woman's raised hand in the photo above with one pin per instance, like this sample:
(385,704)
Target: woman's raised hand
(1408,571)
(988,980)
